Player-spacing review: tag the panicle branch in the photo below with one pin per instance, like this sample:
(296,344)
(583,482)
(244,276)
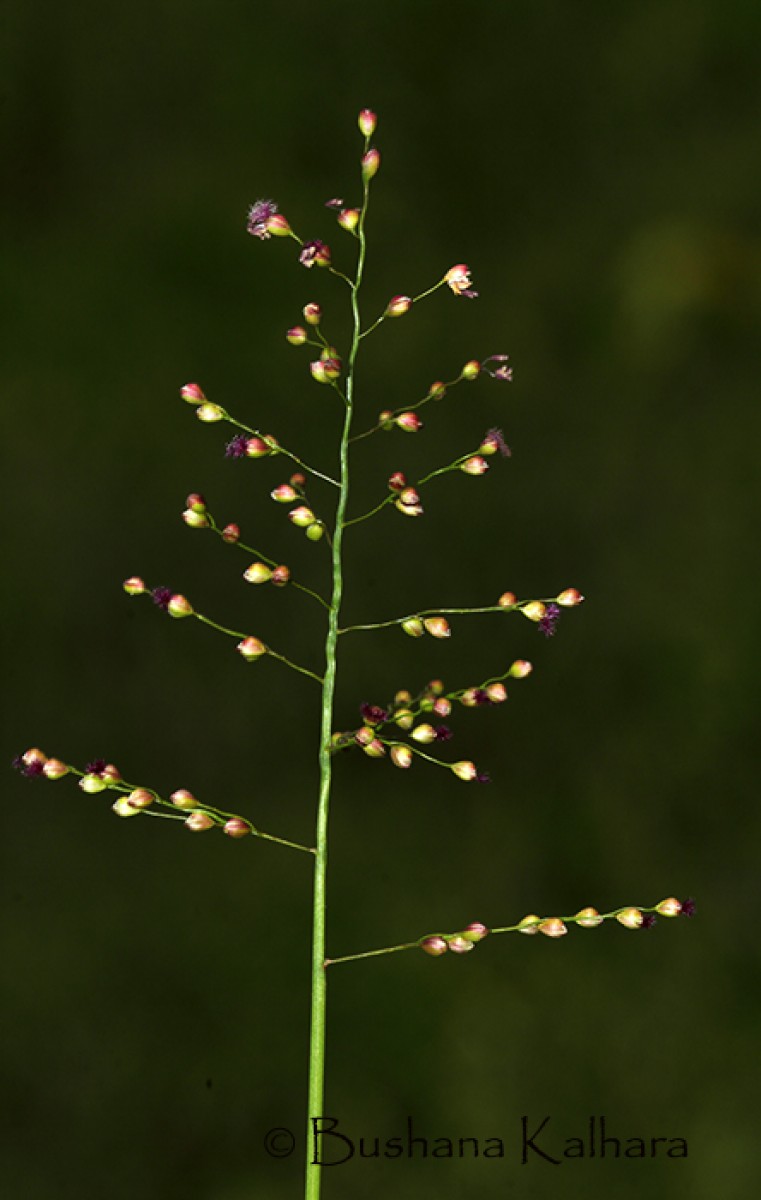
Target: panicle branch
(136,800)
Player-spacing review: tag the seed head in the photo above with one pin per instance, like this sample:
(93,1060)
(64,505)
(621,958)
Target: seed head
(553,927)
(588,918)
(258,572)
(437,627)
(209,413)
(296,335)
(401,756)
(465,770)
(197,822)
(280,575)
(475,465)
(123,808)
(134,586)
(312,314)
(182,798)
(231,534)
(348,219)
(460,945)
(631,918)
(507,600)
(670,907)
(179,606)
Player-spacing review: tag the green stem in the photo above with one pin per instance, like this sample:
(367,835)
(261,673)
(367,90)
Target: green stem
(319,995)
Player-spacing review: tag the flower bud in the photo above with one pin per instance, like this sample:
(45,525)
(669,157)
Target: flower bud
(192,393)
(197,822)
(256,448)
(475,932)
(588,918)
(140,798)
(424,734)
(325,370)
(258,572)
(111,774)
(460,945)
(465,770)
(437,627)
(409,421)
(553,927)
(231,534)
(281,575)
(631,918)
(520,669)
(312,314)
(497,692)
(404,718)
(278,225)
(179,607)
(315,531)
(398,306)
(284,494)
(397,481)
(370,164)
(471,370)
(667,908)
(469,698)
(297,335)
(403,696)
(413,626)
(195,520)
(236,827)
(251,648)
(401,756)
(367,121)
(507,600)
(409,510)
(437,390)
(208,413)
(364,735)
(409,497)
(569,598)
(386,420)
(134,586)
(301,516)
(475,465)
(348,218)
(442,707)
(375,749)
(123,808)
(435,946)
(529,924)
(182,798)
(92,784)
(196,502)
(54,769)
(534,610)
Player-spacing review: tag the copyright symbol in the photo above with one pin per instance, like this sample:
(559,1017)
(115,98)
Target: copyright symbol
(279,1142)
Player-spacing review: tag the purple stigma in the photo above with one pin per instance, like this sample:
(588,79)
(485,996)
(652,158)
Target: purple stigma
(335,203)
(688,908)
(236,448)
(482,698)
(309,252)
(258,216)
(483,777)
(549,620)
(496,438)
(96,766)
(372,714)
(161,597)
(648,920)
(443,734)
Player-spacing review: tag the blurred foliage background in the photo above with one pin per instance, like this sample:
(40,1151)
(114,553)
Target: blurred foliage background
(597,166)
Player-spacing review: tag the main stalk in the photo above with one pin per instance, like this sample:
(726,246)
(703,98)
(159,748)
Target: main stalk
(319,981)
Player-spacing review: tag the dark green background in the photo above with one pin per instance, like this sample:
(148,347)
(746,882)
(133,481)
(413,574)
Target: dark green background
(597,166)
